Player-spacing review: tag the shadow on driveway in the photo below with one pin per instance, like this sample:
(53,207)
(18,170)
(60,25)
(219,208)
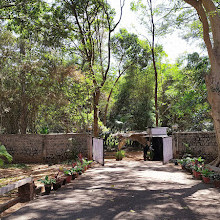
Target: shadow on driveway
(128,190)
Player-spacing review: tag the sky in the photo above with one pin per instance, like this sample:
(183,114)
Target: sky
(173,44)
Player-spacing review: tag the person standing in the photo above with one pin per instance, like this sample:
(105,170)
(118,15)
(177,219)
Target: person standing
(146,148)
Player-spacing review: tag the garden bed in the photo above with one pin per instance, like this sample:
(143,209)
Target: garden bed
(37,171)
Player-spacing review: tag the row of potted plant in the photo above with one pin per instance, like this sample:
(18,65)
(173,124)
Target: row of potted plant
(65,175)
(197,167)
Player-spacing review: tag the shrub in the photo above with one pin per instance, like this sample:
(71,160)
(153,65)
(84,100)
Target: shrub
(4,155)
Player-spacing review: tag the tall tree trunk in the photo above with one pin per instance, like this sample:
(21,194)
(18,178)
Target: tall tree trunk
(213,87)
(209,16)
(154,61)
(156,88)
(23,101)
(96,96)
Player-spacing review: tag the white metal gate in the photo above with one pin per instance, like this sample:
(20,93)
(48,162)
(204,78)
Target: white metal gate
(167,149)
(98,151)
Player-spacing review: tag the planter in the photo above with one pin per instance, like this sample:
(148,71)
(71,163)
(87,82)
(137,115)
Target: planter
(68,179)
(183,167)
(206,179)
(217,183)
(197,175)
(189,170)
(63,181)
(47,189)
(118,159)
(57,185)
(74,175)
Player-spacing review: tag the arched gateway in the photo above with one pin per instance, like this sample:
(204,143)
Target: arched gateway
(160,141)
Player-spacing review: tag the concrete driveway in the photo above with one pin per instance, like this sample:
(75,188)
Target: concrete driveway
(128,190)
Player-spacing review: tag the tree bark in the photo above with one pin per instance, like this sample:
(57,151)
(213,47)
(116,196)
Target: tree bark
(23,101)
(213,87)
(154,63)
(208,14)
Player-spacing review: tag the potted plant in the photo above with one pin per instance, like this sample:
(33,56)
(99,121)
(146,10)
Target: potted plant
(58,180)
(206,174)
(216,179)
(47,183)
(85,164)
(74,173)
(182,163)
(197,171)
(79,169)
(89,163)
(119,155)
(68,175)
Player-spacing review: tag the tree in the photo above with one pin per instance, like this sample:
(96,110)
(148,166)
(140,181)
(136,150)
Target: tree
(148,12)
(183,94)
(92,27)
(208,13)
(128,52)
(133,109)
(21,17)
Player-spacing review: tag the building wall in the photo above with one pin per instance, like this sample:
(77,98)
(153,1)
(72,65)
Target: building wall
(52,148)
(200,144)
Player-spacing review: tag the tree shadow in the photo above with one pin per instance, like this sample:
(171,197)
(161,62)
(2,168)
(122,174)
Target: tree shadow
(114,192)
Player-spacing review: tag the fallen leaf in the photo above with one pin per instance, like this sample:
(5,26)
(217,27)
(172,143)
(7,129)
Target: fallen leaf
(132,210)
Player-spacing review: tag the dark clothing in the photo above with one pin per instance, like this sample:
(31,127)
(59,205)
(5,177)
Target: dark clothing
(146,148)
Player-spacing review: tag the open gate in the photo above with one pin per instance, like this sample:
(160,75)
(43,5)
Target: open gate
(167,149)
(98,150)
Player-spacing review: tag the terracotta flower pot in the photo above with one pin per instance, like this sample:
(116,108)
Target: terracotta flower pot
(47,189)
(68,179)
(206,179)
(57,185)
(197,175)
(217,183)
(63,181)
(74,176)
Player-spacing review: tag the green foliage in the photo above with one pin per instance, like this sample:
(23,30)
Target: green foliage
(129,49)
(183,94)
(4,155)
(47,180)
(134,106)
(68,172)
(110,142)
(119,154)
(206,172)
(19,166)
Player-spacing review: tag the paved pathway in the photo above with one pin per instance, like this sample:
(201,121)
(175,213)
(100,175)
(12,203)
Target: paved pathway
(128,190)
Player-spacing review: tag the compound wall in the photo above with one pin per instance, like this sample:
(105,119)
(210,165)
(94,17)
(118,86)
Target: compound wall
(199,143)
(52,148)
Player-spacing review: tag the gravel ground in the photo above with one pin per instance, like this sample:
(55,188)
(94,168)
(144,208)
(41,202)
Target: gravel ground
(128,190)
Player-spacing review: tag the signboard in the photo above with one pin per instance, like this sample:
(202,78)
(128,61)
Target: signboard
(98,151)
(167,149)
(158,131)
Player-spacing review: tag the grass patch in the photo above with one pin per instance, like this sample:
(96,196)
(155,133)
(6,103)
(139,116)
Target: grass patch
(17,165)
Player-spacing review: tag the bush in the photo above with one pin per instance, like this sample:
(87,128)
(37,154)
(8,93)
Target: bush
(4,155)
(120,154)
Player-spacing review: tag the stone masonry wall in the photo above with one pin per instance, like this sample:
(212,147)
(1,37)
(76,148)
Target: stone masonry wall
(52,148)
(200,143)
